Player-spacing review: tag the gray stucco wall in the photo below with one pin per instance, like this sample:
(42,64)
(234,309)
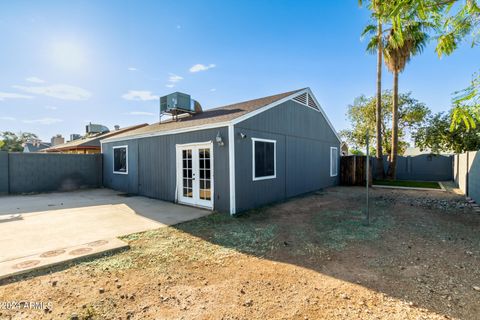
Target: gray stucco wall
(474,175)
(303,144)
(43,172)
(467,173)
(423,167)
(3,172)
(152,166)
(462,172)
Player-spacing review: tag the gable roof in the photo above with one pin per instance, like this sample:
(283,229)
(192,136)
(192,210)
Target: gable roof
(34,147)
(217,117)
(92,141)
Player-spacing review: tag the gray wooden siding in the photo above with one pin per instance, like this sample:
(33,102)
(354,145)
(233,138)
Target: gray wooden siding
(303,140)
(152,166)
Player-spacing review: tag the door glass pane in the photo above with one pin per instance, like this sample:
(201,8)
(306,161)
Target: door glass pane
(187,187)
(204,174)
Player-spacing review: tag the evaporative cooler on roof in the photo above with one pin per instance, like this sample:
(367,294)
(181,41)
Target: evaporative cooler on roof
(177,103)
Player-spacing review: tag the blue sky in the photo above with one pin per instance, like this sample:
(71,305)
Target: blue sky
(65,63)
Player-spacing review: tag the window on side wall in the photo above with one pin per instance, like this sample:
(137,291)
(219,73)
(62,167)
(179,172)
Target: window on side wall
(333,161)
(264,162)
(120,159)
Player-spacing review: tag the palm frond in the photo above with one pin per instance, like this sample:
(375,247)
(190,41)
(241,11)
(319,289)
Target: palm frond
(369,29)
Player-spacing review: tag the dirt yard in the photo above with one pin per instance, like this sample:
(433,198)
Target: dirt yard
(309,258)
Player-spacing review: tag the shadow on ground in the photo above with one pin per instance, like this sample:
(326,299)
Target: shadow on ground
(421,247)
(288,260)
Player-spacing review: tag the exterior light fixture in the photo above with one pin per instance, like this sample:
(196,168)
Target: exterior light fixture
(243,135)
(219,140)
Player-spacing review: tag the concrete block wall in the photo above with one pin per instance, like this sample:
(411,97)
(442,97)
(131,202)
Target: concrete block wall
(466,172)
(44,172)
(474,175)
(3,172)
(462,171)
(422,167)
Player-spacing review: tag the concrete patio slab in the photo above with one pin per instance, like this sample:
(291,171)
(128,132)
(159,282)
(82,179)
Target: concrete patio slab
(50,258)
(407,188)
(35,224)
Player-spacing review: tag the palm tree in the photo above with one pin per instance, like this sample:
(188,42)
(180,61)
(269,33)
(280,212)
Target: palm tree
(401,44)
(376,46)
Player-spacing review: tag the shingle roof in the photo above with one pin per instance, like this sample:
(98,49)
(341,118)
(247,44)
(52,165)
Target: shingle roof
(92,141)
(31,147)
(210,116)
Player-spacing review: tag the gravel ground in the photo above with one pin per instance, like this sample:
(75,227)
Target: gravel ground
(312,257)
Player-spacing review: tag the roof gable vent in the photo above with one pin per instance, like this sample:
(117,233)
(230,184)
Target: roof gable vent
(307,100)
(301,98)
(311,102)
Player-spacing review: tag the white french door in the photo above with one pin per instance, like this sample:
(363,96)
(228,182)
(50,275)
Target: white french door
(195,174)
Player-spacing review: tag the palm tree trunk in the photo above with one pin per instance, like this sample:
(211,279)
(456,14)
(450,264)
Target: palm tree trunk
(380,174)
(392,168)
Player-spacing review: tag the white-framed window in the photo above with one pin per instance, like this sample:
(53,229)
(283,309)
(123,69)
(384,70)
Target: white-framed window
(120,159)
(264,159)
(333,161)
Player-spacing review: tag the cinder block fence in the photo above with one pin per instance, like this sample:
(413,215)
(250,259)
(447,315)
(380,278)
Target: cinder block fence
(43,172)
(466,173)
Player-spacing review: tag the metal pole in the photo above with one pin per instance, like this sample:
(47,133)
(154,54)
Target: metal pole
(368,178)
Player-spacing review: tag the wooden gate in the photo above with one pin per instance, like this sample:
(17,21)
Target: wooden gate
(353,170)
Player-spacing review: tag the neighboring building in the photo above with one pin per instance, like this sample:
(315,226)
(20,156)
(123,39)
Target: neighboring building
(344,149)
(57,140)
(231,158)
(75,136)
(415,151)
(90,143)
(35,146)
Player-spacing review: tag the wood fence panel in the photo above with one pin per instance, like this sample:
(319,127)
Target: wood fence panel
(353,171)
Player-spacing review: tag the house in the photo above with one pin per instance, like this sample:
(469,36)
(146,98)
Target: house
(90,143)
(344,149)
(35,146)
(416,151)
(231,158)
(56,140)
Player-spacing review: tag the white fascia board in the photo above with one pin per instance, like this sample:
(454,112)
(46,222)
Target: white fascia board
(276,103)
(267,107)
(231,166)
(324,114)
(229,123)
(164,133)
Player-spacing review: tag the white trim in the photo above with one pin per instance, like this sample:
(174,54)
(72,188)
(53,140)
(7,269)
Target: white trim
(164,133)
(274,176)
(331,163)
(265,108)
(323,113)
(126,154)
(194,144)
(196,201)
(231,167)
(231,122)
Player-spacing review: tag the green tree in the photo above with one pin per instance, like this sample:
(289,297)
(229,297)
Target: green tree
(437,136)
(466,110)
(398,52)
(455,21)
(362,117)
(404,37)
(14,142)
